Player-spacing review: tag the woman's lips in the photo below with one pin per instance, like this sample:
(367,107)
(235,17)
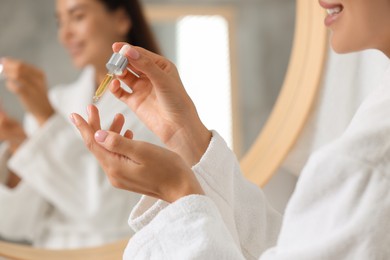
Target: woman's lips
(333,10)
(75,49)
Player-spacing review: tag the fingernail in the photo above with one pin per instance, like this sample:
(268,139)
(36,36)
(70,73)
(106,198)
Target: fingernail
(101,135)
(88,110)
(72,119)
(114,85)
(133,53)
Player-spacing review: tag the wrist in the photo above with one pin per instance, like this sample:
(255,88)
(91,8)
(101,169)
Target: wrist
(43,117)
(187,186)
(13,180)
(190,142)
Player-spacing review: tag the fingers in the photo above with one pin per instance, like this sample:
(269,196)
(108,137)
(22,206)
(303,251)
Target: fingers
(144,61)
(87,133)
(118,144)
(116,47)
(22,74)
(91,137)
(130,78)
(129,134)
(93,117)
(118,91)
(20,86)
(117,123)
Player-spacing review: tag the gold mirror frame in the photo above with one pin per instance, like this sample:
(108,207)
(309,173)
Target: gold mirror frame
(282,129)
(296,98)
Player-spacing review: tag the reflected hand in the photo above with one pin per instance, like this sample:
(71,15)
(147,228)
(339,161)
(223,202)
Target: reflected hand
(29,84)
(161,102)
(11,131)
(137,166)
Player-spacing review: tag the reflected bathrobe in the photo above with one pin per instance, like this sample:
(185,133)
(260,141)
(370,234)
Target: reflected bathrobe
(65,200)
(339,210)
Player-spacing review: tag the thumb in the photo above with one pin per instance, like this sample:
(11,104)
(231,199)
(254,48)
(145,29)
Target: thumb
(122,145)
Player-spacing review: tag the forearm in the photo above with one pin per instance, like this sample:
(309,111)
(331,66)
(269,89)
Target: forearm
(46,156)
(43,116)
(21,212)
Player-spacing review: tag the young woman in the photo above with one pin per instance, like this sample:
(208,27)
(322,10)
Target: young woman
(55,194)
(197,204)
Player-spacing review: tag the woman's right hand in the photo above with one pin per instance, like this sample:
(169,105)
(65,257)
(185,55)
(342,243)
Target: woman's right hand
(29,85)
(161,102)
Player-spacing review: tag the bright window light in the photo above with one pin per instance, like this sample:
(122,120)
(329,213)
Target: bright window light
(204,65)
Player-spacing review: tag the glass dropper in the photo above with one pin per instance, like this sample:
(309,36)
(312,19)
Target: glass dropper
(115,66)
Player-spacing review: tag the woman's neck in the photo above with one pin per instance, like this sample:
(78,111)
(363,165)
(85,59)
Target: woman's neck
(387,52)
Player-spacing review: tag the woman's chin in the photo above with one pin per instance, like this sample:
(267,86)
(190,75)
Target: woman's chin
(340,46)
(339,50)
(79,64)
(343,46)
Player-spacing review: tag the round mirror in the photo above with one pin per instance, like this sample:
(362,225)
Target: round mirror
(288,115)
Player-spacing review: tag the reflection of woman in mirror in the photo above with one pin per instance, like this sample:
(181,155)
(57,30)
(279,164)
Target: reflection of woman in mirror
(54,194)
(341,206)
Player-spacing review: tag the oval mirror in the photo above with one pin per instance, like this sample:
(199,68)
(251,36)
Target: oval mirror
(272,144)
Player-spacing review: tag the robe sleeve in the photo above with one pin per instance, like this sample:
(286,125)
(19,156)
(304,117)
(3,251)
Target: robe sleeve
(21,208)
(252,223)
(191,228)
(57,165)
(21,213)
(4,156)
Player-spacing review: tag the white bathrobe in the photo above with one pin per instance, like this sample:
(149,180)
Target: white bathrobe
(65,200)
(340,208)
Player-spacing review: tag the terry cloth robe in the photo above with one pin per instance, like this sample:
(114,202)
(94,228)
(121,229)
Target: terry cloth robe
(339,210)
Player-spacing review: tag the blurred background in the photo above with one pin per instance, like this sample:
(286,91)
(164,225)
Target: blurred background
(253,43)
(258,35)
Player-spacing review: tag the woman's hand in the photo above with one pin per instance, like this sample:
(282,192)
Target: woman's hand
(11,131)
(29,84)
(136,166)
(161,102)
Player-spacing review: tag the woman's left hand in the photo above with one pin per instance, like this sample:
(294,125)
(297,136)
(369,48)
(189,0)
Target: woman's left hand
(29,85)
(134,165)
(11,131)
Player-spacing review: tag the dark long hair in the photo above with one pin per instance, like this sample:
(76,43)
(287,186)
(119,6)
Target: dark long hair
(140,33)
